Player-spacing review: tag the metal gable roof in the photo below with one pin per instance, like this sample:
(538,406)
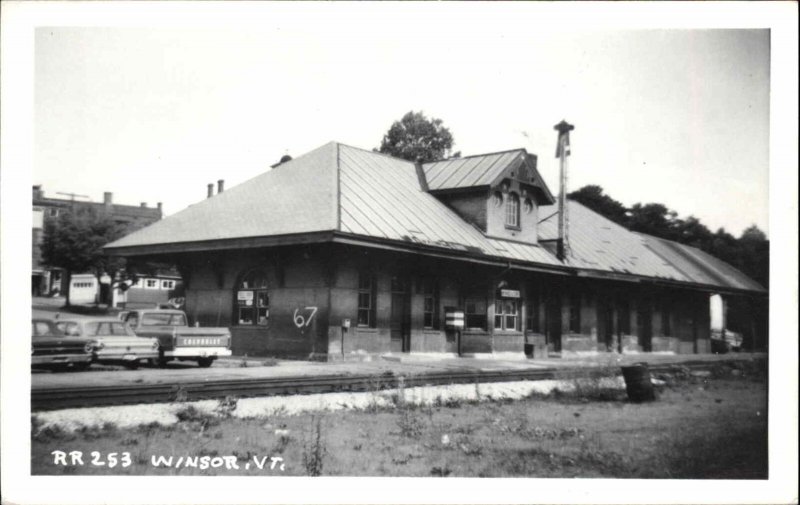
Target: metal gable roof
(471,171)
(381,197)
(597,243)
(299,196)
(700,266)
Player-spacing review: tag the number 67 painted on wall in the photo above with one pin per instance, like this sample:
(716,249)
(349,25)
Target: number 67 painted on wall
(300,321)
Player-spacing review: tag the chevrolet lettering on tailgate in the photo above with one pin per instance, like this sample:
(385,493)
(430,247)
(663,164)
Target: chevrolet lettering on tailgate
(177,340)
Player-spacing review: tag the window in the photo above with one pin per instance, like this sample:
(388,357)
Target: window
(575,314)
(110,328)
(512,210)
(162,319)
(52,212)
(366,300)
(430,291)
(533,321)
(252,300)
(475,313)
(151,283)
(666,323)
(506,314)
(624,317)
(167,284)
(83,284)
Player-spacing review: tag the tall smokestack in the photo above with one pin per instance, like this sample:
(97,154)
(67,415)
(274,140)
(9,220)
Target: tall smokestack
(562,152)
(210,191)
(220,186)
(107,199)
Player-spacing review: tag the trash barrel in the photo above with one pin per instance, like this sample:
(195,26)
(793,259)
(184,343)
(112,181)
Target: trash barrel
(529,350)
(637,383)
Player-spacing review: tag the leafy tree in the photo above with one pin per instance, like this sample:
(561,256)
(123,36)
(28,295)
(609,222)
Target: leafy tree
(74,242)
(417,138)
(592,196)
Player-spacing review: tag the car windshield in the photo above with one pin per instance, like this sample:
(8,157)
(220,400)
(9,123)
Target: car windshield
(70,329)
(45,329)
(163,319)
(108,328)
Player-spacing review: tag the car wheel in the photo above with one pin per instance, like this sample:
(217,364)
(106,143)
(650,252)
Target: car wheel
(205,362)
(81,367)
(132,365)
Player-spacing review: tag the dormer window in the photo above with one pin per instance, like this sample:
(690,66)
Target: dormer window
(512,210)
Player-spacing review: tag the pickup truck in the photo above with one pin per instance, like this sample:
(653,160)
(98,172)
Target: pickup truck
(176,339)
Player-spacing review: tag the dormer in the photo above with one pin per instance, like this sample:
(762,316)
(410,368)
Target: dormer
(499,193)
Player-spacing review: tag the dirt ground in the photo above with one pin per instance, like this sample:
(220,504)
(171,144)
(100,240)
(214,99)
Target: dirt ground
(712,427)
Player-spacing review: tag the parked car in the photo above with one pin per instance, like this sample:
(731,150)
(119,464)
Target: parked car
(51,348)
(114,340)
(177,340)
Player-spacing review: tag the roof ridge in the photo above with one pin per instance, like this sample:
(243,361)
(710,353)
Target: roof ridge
(378,153)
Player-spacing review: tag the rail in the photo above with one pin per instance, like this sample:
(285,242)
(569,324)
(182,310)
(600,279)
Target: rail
(96,396)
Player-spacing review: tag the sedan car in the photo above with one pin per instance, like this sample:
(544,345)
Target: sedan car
(51,348)
(114,340)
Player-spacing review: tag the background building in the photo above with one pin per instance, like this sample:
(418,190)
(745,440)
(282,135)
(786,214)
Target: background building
(47,281)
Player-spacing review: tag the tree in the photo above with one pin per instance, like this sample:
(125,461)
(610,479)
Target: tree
(417,138)
(592,196)
(74,242)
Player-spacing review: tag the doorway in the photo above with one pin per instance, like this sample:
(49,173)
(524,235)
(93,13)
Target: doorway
(605,320)
(644,320)
(553,323)
(400,316)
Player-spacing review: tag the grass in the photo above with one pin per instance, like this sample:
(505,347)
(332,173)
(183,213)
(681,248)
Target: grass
(699,428)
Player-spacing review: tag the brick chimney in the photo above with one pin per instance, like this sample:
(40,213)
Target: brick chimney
(143,205)
(220,186)
(210,191)
(38,194)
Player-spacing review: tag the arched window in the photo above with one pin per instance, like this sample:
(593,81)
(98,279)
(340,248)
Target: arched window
(252,300)
(512,210)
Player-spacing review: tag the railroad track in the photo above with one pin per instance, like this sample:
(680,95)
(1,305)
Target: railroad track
(95,396)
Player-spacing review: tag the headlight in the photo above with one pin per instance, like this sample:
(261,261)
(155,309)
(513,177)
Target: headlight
(155,345)
(89,347)
(99,345)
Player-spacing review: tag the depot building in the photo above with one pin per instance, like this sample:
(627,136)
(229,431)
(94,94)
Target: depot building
(343,252)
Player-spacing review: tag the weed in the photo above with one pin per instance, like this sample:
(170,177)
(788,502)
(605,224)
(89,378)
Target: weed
(314,449)
(410,424)
(243,362)
(593,384)
(440,471)
(227,406)
(180,395)
(196,419)
(280,446)
(269,362)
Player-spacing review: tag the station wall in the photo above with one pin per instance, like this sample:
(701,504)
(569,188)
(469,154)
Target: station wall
(313,289)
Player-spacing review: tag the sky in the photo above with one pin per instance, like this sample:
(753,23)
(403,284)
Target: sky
(679,117)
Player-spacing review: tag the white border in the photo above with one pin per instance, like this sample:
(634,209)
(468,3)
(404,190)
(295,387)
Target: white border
(18,21)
